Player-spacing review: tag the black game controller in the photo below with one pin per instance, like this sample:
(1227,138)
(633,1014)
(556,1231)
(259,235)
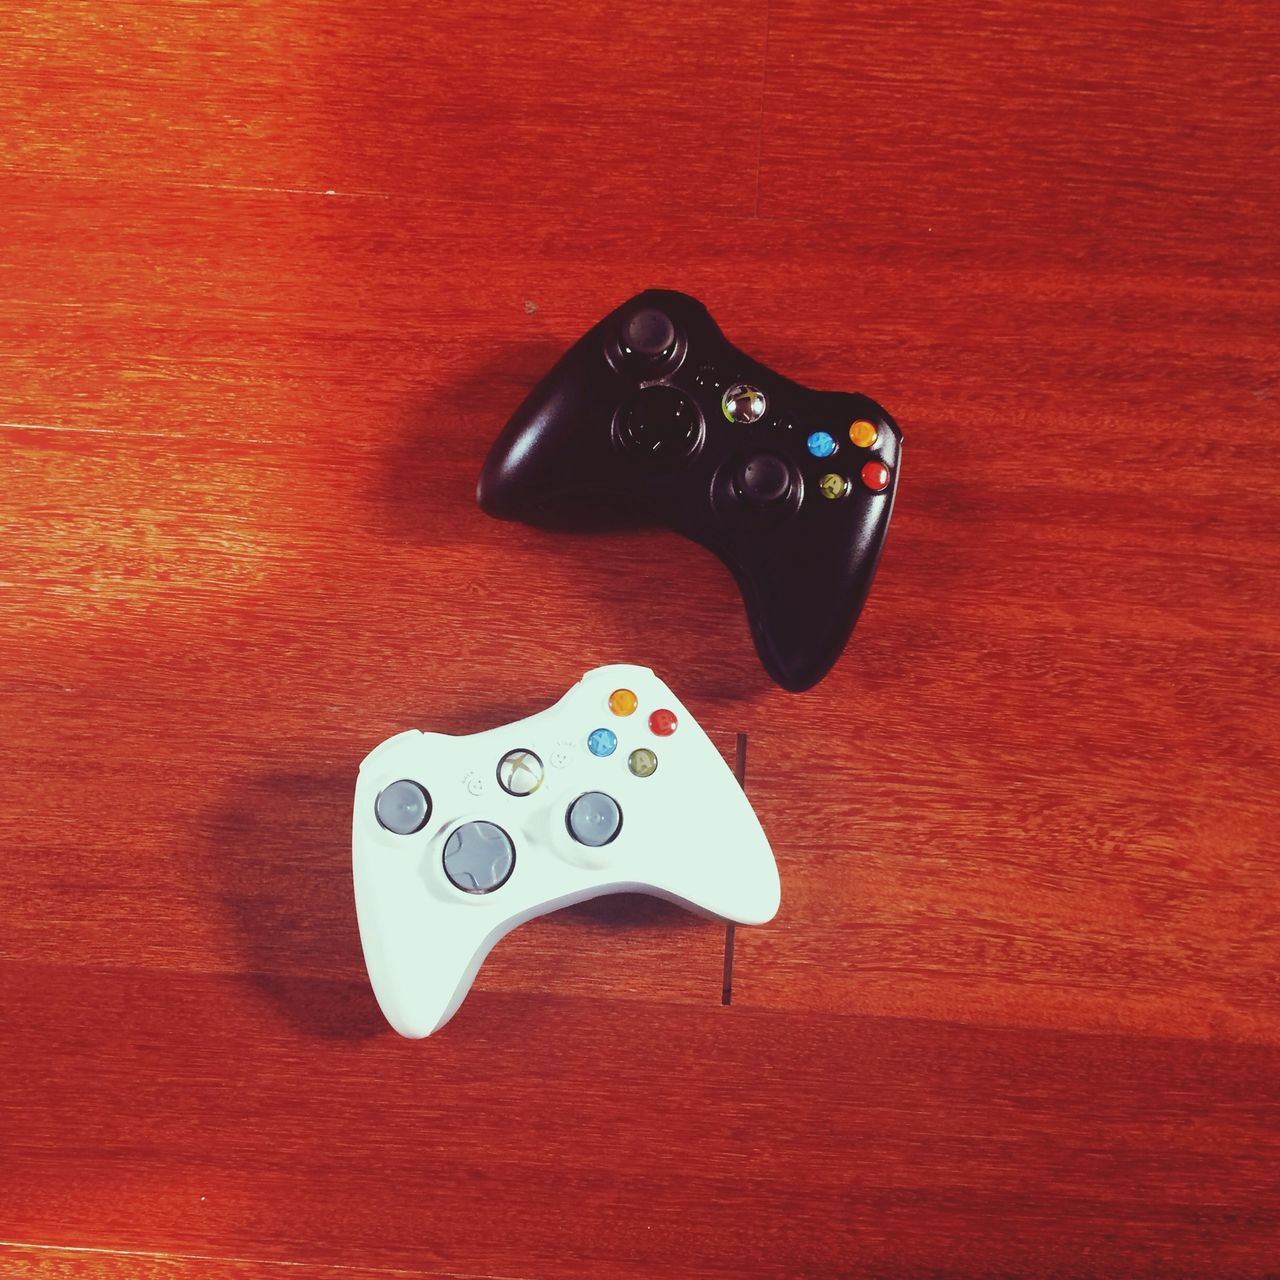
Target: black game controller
(656,410)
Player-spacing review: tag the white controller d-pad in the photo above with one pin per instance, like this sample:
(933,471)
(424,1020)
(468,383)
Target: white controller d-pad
(615,788)
(478,857)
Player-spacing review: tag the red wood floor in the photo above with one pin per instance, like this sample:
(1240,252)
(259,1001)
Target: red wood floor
(272,278)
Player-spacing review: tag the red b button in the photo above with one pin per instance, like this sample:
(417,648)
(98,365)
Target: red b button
(663,723)
(875,475)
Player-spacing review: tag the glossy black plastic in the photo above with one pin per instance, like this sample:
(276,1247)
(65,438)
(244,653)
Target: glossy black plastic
(633,413)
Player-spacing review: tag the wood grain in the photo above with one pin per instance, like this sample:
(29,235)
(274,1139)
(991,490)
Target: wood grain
(792,1143)
(274,275)
(518,105)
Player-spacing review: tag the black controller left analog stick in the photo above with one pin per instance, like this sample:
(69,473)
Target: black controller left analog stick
(647,337)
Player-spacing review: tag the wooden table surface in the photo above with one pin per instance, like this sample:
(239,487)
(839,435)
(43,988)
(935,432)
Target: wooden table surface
(273,276)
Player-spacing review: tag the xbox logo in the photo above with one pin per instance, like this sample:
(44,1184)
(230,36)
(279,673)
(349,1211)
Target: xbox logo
(520,773)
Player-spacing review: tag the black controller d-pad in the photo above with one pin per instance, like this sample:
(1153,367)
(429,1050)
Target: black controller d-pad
(762,480)
(659,423)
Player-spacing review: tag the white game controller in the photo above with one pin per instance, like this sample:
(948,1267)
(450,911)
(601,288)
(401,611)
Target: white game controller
(613,789)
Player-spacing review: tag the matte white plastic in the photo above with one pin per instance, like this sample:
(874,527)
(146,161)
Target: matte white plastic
(688,834)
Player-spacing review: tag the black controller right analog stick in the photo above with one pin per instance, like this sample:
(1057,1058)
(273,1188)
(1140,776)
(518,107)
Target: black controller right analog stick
(762,480)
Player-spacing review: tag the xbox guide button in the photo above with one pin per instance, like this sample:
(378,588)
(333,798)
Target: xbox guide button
(743,403)
(520,773)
